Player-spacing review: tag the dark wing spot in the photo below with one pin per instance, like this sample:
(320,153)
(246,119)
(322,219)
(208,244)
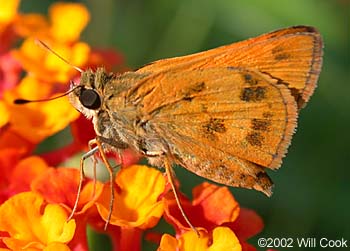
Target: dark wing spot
(260,124)
(198,87)
(249,79)
(193,89)
(214,125)
(279,53)
(277,50)
(254,139)
(282,56)
(253,94)
(267,115)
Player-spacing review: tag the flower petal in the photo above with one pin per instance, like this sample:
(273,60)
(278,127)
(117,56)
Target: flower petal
(68,20)
(247,224)
(17,173)
(10,139)
(168,243)
(4,118)
(57,246)
(8,11)
(36,121)
(31,25)
(136,201)
(54,220)
(10,70)
(212,205)
(35,224)
(9,157)
(190,241)
(24,172)
(48,67)
(222,239)
(210,198)
(82,131)
(60,185)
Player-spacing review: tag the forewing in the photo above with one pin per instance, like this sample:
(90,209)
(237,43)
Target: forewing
(293,56)
(225,124)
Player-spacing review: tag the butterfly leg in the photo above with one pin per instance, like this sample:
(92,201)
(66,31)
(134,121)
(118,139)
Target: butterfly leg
(170,175)
(111,182)
(81,179)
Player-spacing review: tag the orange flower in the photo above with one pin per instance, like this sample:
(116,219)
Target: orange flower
(214,206)
(48,67)
(67,20)
(4,118)
(10,139)
(211,206)
(31,24)
(222,238)
(136,201)
(17,173)
(37,121)
(8,12)
(36,226)
(247,225)
(60,185)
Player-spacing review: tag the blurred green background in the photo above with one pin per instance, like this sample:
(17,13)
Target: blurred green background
(311,194)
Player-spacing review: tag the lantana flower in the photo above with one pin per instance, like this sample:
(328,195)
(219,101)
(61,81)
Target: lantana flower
(213,206)
(137,202)
(32,225)
(34,122)
(222,238)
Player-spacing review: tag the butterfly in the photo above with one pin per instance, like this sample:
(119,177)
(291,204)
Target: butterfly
(227,114)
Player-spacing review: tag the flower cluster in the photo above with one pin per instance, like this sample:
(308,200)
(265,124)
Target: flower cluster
(37,193)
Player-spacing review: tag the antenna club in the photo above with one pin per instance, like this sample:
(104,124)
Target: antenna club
(26,101)
(20,101)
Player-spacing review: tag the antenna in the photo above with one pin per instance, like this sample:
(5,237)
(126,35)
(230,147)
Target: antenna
(45,46)
(25,101)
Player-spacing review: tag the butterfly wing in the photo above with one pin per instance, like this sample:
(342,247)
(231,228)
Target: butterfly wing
(228,113)
(292,56)
(225,124)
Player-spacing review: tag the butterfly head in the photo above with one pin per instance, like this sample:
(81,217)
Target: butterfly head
(87,96)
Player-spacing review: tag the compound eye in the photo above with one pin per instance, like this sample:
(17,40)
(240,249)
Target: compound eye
(90,99)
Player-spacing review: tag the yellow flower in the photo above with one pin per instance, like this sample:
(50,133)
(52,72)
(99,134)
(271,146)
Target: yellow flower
(222,238)
(32,225)
(8,12)
(68,20)
(4,118)
(37,121)
(136,201)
